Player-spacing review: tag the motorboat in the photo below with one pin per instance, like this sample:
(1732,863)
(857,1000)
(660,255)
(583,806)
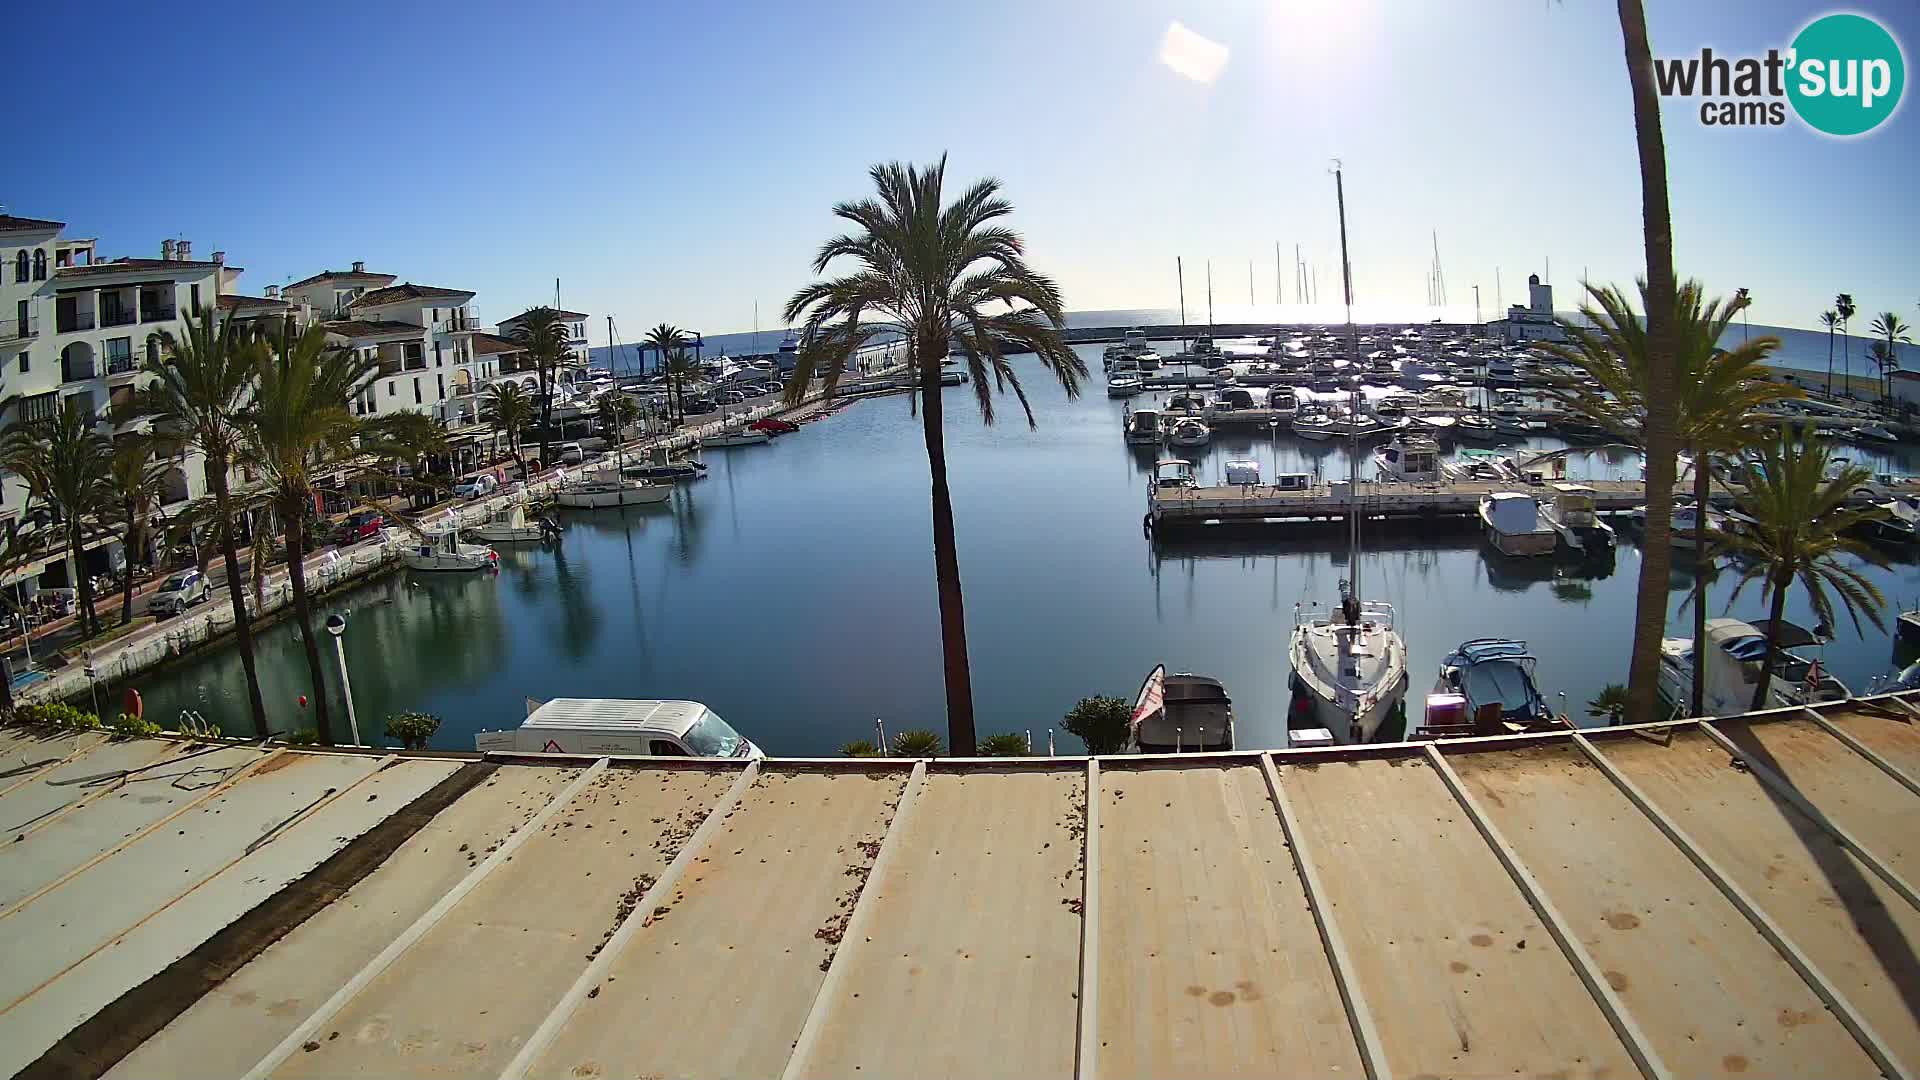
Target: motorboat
(1475,426)
(1145,427)
(1899,519)
(1189,403)
(510,524)
(741,437)
(1283,402)
(1874,433)
(1514,525)
(1572,515)
(1234,398)
(1438,423)
(659,466)
(1317,426)
(1486,687)
(1409,459)
(1349,672)
(1734,652)
(1124,381)
(1500,372)
(1685,517)
(596,490)
(1180,713)
(1174,473)
(443,551)
(1190,431)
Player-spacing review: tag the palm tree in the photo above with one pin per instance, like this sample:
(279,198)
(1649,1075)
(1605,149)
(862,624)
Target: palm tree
(135,486)
(194,390)
(408,439)
(543,332)
(298,428)
(1893,333)
(509,410)
(929,274)
(665,340)
(1610,704)
(67,465)
(681,369)
(1830,319)
(1800,527)
(617,410)
(1650,611)
(1843,306)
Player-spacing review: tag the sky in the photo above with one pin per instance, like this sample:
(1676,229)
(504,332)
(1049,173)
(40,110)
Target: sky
(678,162)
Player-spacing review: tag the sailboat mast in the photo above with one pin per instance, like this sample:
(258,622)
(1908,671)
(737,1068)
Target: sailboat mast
(1209,297)
(1180,275)
(1353,423)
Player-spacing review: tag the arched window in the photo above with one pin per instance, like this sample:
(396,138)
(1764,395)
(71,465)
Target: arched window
(20,265)
(40,264)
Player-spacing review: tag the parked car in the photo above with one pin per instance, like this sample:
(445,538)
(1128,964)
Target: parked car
(572,453)
(361,525)
(476,487)
(696,406)
(180,592)
(729,397)
(774,426)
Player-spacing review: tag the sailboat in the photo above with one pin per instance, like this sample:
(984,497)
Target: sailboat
(1349,680)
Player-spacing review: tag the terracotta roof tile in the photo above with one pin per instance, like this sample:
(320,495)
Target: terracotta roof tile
(409,291)
(366,328)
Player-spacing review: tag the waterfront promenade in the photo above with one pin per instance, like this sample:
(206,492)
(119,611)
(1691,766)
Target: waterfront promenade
(1681,899)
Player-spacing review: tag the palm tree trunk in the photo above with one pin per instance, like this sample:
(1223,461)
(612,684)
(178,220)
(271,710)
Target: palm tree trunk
(1829,361)
(1773,633)
(946,559)
(82,581)
(135,535)
(1846,360)
(1650,614)
(216,469)
(546,414)
(294,526)
(1704,561)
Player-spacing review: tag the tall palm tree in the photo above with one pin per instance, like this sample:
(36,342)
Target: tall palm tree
(1843,306)
(1892,331)
(67,465)
(135,487)
(665,340)
(509,410)
(1717,390)
(543,333)
(408,439)
(195,388)
(1830,319)
(1799,529)
(617,410)
(681,369)
(930,274)
(1650,611)
(299,427)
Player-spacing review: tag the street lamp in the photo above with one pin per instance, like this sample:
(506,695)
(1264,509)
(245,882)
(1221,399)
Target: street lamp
(337,625)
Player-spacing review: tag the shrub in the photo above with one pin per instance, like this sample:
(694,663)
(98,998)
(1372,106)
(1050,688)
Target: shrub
(1103,723)
(305,736)
(1011,744)
(918,744)
(130,725)
(413,729)
(859,748)
(57,714)
(1609,705)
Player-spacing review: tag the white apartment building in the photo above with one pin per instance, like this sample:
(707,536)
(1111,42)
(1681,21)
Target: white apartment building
(421,335)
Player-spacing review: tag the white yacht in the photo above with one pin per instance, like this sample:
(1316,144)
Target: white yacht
(1123,379)
(1174,473)
(1190,431)
(1145,427)
(1572,515)
(443,551)
(1514,525)
(604,488)
(1733,655)
(509,524)
(1475,426)
(1409,459)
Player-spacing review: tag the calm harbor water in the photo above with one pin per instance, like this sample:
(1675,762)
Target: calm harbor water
(791,589)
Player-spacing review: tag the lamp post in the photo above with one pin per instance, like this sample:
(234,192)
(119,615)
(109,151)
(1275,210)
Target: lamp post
(337,625)
(1273,441)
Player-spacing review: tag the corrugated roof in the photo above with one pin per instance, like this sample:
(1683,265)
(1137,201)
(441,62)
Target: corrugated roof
(1684,899)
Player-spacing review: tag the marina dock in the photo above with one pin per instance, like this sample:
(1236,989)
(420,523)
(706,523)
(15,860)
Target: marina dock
(1169,508)
(1688,898)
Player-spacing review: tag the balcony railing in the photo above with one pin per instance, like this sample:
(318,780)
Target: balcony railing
(460,322)
(416,363)
(69,321)
(165,314)
(122,317)
(119,365)
(16,329)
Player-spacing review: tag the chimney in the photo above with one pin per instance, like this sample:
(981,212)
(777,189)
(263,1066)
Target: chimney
(166,251)
(184,250)
(273,292)
(219,258)
(359,267)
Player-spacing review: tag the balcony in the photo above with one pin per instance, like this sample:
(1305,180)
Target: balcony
(459,323)
(165,314)
(18,329)
(119,365)
(120,317)
(389,367)
(70,321)
(416,363)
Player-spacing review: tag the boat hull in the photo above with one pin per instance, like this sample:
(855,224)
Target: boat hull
(598,500)
(506,534)
(1521,545)
(742,438)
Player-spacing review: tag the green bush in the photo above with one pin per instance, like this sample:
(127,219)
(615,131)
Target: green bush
(305,736)
(1011,744)
(1105,724)
(859,748)
(918,744)
(413,729)
(128,724)
(57,714)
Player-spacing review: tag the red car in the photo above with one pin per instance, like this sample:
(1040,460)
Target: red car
(361,525)
(774,426)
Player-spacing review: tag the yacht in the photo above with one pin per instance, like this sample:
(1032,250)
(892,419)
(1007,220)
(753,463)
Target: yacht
(1500,372)
(1234,398)
(510,525)
(1123,382)
(1282,401)
(1189,403)
(740,437)
(595,490)
(1685,517)
(1181,713)
(1514,525)
(1486,687)
(1475,426)
(444,551)
(1190,431)
(1409,459)
(1174,474)
(1572,515)
(1145,427)
(1317,426)
(1734,653)
(1899,520)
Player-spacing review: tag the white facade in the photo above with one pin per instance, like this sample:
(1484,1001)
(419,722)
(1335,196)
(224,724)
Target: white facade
(421,336)
(1531,323)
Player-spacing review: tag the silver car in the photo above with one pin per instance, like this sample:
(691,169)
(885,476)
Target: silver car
(180,592)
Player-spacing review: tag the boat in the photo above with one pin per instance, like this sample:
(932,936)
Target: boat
(1283,402)
(1234,398)
(1874,433)
(1500,372)
(1475,426)
(1170,473)
(1190,431)
(1144,427)
(1317,426)
(1907,627)
(1189,403)
(1349,681)
(1409,459)
(1685,516)
(509,524)
(1435,422)
(744,437)
(1733,654)
(1573,517)
(1180,713)
(1486,687)
(1899,520)
(602,488)
(1124,380)
(1514,526)
(666,469)
(443,551)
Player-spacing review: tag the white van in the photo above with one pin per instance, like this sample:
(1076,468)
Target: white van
(621,726)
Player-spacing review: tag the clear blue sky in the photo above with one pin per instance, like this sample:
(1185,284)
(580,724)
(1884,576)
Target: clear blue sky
(676,161)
